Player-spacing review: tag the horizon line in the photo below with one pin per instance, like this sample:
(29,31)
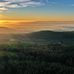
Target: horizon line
(25,20)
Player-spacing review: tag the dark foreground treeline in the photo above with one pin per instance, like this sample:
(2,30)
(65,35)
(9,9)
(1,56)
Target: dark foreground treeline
(36,59)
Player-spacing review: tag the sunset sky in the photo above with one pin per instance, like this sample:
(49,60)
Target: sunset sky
(35,10)
(51,10)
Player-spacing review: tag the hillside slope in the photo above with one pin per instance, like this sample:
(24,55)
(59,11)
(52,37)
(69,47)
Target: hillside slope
(47,36)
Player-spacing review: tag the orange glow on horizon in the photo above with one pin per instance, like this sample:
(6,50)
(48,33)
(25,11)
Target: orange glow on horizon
(11,23)
(19,26)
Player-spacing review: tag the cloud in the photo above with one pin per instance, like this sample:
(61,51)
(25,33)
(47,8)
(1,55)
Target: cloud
(4,3)
(7,4)
(17,0)
(72,5)
(3,9)
(31,3)
(12,6)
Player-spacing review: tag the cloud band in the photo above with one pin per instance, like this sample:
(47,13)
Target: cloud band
(7,4)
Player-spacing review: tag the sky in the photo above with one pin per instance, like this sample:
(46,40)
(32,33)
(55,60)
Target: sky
(14,11)
(37,10)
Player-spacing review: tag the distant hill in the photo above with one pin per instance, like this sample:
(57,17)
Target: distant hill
(4,30)
(47,36)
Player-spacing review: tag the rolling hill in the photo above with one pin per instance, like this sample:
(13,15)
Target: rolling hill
(47,36)
(39,37)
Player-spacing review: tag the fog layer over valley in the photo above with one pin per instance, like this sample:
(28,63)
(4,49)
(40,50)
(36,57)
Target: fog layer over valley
(45,36)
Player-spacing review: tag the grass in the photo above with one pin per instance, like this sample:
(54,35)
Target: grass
(28,58)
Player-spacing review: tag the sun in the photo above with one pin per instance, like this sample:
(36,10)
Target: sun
(3,23)
(14,23)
